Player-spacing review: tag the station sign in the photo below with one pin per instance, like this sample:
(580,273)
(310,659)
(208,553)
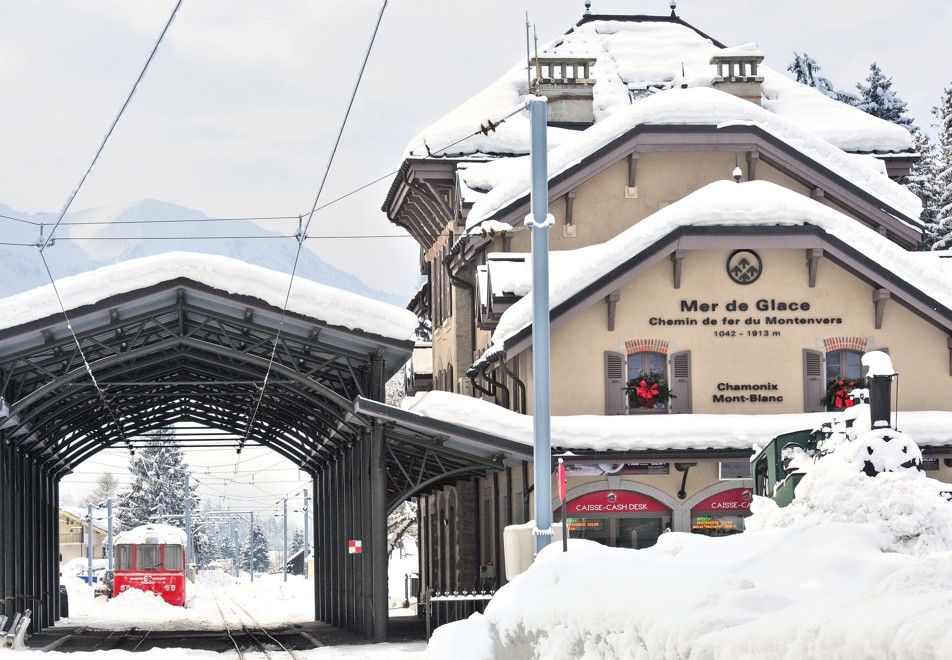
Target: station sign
(729,500)
(613,501)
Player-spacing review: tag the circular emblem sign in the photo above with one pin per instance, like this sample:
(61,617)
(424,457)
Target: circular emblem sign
(744,266)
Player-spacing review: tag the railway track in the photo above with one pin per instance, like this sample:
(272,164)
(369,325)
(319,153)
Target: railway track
(122,640)
(252,632)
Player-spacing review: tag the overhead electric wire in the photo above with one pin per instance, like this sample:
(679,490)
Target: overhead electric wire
(69,201)
(303,233)
(115,121)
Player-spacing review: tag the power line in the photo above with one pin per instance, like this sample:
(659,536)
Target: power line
(115,121)
(303,233)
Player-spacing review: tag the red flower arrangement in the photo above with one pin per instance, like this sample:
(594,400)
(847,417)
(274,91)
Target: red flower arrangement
(838,392)
(648,391)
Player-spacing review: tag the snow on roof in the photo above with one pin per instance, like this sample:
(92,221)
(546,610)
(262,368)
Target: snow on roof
(422,359)
(153,533)
(633,57)
(510,179)
(725,203)
(652,432)
(318,301)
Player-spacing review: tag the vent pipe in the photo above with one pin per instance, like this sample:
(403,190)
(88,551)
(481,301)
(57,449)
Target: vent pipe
(879,374)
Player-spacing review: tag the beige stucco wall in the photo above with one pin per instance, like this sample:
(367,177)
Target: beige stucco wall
(723,350)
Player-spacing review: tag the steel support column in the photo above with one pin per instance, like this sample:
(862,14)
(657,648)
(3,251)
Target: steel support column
(378,549)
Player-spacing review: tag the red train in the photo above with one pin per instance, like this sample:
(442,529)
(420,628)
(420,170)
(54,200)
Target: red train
(150,558)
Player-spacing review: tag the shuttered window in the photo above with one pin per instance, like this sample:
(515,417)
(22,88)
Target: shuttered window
(814,383)
(615,398)
(681,382)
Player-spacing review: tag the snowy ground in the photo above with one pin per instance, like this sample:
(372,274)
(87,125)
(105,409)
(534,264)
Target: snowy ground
(268,599)
(855,568)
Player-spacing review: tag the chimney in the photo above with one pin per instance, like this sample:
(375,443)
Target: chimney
(737,73)
(568,85)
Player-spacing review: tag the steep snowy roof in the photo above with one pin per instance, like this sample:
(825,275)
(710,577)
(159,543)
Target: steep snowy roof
(633,58)
(652,432)
(507,180)
(725,203)
(317,301)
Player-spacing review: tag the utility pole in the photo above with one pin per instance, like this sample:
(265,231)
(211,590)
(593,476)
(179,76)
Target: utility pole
(539,222)
(89,544)
(161,513)
(251,549)
(188,529)
(285,539)
(234,538)
(306,548)
(109,531)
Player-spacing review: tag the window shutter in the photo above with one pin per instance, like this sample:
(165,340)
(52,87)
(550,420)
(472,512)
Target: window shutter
(681,382)
(615,398)
(814,388)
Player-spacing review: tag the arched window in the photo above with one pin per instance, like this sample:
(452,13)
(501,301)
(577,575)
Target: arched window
(844,368)
(647,381)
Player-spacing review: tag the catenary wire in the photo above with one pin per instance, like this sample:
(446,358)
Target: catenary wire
(115,121)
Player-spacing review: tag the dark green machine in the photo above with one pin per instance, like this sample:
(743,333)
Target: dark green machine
(776,467)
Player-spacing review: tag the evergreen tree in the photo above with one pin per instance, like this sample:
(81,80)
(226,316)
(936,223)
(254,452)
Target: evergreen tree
(296,542)
(877,98)
(256,554)
(922,180)
(942,233)
(158,477)
(106,487)
(806,71)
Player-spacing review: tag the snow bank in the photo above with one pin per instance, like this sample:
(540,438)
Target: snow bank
(856,567)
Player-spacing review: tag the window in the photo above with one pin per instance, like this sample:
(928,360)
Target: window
(842,367)
(843,364)
(647,382)
(174,558)
(123,558)
(148,557)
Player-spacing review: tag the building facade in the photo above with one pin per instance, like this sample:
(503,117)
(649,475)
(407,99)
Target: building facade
(726,244)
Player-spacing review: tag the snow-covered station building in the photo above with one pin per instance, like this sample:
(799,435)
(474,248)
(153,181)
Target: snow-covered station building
(726,244)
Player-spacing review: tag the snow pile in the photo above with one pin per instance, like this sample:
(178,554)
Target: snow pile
(856,567)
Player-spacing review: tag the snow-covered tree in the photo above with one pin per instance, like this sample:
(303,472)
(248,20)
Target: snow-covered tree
(806,71)
(158,478)
(258,552)
(296,542)
(942,227)
(877,98)
(401,523)
(106,487)
(923,181)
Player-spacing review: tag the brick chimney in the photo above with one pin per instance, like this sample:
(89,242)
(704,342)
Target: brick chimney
(737,73)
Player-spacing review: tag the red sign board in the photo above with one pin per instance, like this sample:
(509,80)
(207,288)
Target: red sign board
(613,501)
(728,500)
(561,481)
(354,547)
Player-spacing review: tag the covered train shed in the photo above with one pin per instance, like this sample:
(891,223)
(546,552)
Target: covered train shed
(102,358)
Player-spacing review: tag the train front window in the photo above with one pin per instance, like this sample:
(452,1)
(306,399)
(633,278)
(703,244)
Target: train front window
(148,557)
(173,558)
(123,557)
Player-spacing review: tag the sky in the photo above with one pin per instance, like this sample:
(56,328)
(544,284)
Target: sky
(239,110)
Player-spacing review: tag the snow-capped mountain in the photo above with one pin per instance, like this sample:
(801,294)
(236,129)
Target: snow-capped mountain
(91,238)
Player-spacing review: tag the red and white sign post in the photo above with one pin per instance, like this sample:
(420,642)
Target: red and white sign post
(562,491)
(354,547)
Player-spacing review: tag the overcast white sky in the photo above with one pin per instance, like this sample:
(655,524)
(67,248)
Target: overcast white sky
(238,112)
